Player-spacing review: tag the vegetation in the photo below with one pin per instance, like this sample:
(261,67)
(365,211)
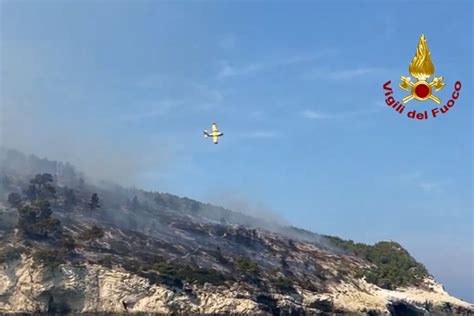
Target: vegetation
(14,199)
(68,243)
(94,202)
(246,265)
(34,209)
(189,274)
(41,188)
(220,257)
(201,276)
(46,227)
(70,200)
(134,204)
(106,261)
(48,258)
(305,283)
(9,253)
(394,267)
(92,234)
(162,272)
(283,285)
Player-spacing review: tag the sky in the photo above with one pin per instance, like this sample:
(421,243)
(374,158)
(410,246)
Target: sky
(123,89)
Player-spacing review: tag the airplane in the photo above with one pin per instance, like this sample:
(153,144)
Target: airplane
(215,133)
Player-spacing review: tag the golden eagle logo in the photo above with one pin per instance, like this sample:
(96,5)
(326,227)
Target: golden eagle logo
(422,68)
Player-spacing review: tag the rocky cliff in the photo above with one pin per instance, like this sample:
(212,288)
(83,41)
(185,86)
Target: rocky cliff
(91,288)
(67,246)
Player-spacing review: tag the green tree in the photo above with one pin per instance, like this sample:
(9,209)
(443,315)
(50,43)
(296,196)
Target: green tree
(34,218)
(42,179)
(393,265)
(43,186)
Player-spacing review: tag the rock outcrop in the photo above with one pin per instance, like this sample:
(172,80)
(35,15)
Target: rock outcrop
(90,288)
(154,252)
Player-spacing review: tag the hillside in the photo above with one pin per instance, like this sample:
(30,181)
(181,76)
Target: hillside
(68,245)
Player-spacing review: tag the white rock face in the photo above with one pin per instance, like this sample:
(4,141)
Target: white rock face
(363,296)
(25,287)
(92,288)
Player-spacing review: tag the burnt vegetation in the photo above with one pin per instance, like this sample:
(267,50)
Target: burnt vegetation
(57,217)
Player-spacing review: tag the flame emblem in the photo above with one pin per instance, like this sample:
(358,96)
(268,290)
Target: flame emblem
(422,68)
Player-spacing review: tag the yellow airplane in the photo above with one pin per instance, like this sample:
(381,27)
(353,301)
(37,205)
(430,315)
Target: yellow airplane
(215,133)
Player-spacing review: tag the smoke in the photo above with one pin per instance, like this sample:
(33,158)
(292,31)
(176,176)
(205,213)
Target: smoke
(52,112)
(49,108)
(99,158)
(259,215)
(243,204)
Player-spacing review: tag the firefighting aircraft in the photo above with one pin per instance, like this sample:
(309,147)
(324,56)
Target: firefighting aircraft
(215,133)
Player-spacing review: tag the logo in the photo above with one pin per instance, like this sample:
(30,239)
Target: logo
(421,68)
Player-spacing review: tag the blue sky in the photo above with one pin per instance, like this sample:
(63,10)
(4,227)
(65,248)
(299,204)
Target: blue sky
(124,89)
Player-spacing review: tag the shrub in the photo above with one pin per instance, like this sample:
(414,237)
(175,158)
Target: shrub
(45,227)
(68,243)
(132,266)
(9,253)
(91,234)
(220,257)
(189,274)
(201,276)
(308,285)
(164,268)
(106,261)
(246,265)
(173,275)
(48,258)
(284,285)
(94,202)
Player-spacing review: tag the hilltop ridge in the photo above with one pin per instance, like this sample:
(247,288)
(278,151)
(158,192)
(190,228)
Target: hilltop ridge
(128,250)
